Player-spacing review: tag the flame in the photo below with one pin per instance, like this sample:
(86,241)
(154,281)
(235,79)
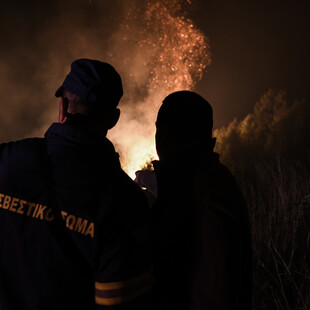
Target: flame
(166,52)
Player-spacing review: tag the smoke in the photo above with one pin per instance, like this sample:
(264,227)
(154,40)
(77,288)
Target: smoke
(155,47)
(40,40)
(278,127)
(165,53)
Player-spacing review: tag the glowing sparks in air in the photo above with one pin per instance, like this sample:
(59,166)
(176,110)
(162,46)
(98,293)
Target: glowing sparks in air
(180,50)
(166,53)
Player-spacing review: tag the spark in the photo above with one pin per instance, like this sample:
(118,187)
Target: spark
(174,54)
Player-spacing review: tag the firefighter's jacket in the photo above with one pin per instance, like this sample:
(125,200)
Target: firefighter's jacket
(202,243)
(73,225)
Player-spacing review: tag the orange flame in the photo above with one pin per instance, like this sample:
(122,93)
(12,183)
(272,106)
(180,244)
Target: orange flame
(167,53)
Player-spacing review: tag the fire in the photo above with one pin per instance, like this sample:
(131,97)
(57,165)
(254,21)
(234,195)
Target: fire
(166,52)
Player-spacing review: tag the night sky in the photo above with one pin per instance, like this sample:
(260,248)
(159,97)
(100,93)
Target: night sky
(255,46)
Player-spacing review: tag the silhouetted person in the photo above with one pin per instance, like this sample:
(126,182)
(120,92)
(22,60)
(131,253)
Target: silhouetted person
(73,225)
(202,243)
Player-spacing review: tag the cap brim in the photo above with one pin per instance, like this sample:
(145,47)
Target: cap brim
(59,91)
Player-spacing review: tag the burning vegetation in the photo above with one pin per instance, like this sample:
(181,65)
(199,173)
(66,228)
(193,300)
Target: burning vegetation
(166,53)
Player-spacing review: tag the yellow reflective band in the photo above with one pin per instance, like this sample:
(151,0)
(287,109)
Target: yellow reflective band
(119,300)
(122,284)
(115,293)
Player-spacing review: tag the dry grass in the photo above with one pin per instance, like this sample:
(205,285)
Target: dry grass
(278,197)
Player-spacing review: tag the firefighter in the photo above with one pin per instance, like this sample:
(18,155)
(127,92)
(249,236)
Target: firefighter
(74,227)
(201,235)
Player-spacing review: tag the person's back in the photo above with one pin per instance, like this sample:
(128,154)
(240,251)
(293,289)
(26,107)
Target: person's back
(73,225)
(201,235)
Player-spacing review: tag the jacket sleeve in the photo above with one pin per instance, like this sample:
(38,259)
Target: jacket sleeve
(219,255)
(124,277)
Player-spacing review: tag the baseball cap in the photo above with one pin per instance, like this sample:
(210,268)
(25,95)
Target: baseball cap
(95,81)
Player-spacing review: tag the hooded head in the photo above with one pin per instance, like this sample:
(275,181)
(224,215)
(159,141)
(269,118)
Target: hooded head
(91,89)
(184,119)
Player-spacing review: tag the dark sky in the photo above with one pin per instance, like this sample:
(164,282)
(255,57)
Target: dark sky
(255,45)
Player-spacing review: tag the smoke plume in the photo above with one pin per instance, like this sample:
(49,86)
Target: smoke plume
(155,47)
(165,53)
(278,127)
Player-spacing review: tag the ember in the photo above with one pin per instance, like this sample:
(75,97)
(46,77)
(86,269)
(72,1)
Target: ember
(168,53)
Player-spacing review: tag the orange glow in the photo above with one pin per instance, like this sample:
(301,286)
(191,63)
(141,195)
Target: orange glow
(169,53)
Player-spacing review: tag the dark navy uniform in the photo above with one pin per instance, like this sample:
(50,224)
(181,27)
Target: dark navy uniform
(201,236)
(73,226)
